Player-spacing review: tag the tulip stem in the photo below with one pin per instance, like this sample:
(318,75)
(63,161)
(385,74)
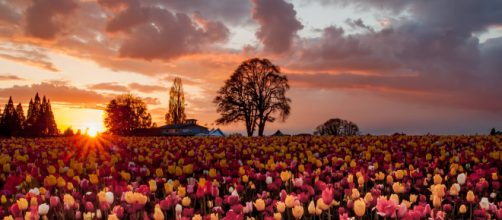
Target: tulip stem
(470,210)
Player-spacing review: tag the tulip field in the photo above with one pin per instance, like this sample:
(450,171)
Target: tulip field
(297,177)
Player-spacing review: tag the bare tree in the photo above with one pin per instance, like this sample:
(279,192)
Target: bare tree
(176,114)
(255,93)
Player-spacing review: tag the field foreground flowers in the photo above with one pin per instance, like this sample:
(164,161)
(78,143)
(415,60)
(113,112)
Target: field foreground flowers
(370,177)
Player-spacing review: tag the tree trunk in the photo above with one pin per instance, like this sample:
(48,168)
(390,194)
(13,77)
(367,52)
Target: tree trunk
(261,129)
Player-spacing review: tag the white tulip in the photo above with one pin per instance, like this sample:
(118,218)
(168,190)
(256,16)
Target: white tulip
(178,208)
(43,209)
(484,203)
(493,195)
(99,214)
(268,180)
(109,197)
(35,191)
(461,179)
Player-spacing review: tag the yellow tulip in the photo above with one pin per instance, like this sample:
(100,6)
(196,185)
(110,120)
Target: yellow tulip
(297,211)
(285,176)
(168,187)
(399,174)
(51,169)
(158,214)
(50,180)
(437,179)
(436,201)
(214,216)
(22,203)
(212,173)
(186,201)
(350,178)
(390,180)
(311,208)
(181,191)
(277,216)
(395,198)
(290,201)
(280,206)
(359,207)
(462,209)
(360,181)
(355,194)
(413,198)
(260,205)
(321,205)
(454,189)
(368,198)
(470,196)
(159,173)
(114,217)
(153,185)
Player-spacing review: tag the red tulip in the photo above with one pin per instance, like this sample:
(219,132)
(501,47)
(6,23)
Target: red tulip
(327,195)
(54,201)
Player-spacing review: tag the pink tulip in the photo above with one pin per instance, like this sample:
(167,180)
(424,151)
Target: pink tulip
(200,192)
(402,210)
(298,182)
(188,212)
(344,216)
(15,211)
(165,204)
(327,195)
(385,207)
(89,207)
(498,213)
(54,201)
(118,210)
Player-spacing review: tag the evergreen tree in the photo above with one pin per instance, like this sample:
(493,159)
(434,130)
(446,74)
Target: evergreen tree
(40,120)
(11,125)
(20,114)
(48,122)
(32,125)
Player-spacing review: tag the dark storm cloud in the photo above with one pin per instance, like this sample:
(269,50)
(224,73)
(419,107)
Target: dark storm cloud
(433,48)
(45,18)
(156,33)
(278,24)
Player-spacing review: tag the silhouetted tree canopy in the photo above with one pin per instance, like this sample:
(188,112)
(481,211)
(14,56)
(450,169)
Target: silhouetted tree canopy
(493,131)
(39,122)
(126,113)
(68,132)
(10,123)
(337,127)
(176,114)
(255,94)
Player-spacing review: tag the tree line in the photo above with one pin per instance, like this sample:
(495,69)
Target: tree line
(254,94)
(39,121)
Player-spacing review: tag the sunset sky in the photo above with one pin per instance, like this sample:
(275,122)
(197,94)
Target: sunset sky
(388,65)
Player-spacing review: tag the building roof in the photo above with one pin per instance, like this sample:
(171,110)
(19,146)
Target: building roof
(278,133)
(216,132)
(189,128)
